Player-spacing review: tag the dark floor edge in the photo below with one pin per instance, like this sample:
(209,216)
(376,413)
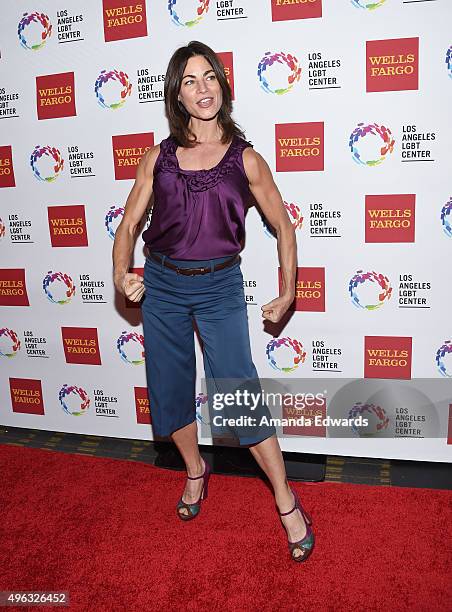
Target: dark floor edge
(227,460)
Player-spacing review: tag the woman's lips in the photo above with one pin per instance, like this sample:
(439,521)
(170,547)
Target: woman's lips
(205,103)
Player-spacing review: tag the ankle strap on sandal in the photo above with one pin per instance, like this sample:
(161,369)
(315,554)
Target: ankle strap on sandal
(289,512)
(202,475)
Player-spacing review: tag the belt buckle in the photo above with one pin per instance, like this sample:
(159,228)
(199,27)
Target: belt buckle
(186,271)
(193,271)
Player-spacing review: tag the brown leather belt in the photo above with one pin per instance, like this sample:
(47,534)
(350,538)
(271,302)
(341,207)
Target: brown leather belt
(193,271)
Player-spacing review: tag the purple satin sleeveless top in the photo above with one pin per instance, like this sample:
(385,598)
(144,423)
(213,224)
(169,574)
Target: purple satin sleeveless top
(198,214)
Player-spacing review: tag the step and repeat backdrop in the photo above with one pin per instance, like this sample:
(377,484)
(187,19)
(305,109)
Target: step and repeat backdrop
(347,100)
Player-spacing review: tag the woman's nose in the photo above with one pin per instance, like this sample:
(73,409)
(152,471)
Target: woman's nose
(202,86)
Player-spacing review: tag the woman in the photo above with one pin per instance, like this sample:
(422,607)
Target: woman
(201,176)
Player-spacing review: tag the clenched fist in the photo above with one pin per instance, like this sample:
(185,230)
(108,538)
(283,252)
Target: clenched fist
(275,310)
(131,285)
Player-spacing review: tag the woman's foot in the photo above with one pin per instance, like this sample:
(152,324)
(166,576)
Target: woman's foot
(294,522)
(193,488)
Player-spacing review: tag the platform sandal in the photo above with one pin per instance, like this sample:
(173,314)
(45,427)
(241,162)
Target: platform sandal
(194,508)
(306,544)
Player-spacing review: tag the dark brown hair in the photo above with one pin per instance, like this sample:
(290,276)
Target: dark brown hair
(177,115)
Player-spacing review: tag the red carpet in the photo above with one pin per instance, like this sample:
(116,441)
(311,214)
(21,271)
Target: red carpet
(106,531)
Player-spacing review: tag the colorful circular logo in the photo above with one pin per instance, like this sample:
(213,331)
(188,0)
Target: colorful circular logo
(112,219)
(369,290)
(449,61)
(444,359)
(281,82)
(370,144)
(277,353)
(370,6)
(185,14)
(2,229)
(9,342)
(33,30)
(377,418)
(446,218)
(201,400)
(58,287)
(112,89)
(295,217)
(46,163)
(130,346)
(74,400)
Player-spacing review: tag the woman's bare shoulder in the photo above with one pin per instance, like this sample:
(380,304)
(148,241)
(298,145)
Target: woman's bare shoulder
(253,163)
(148,160)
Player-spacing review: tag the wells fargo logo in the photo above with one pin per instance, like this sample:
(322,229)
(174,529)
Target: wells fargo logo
(13,289)
(124,19)
(387,357)
(55,95)
(67,226)
(228,62)
(299,146)
(127,152)
(26,395)
(392,65)
(390,218)
(309,289)
(305,415)
(6,167)
(81,345)
(283,10)
(142,405)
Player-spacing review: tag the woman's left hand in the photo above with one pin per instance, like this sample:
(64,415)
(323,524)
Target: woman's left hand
(274,310)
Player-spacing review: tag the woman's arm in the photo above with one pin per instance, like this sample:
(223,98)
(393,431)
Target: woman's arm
(267,195)
(131,285)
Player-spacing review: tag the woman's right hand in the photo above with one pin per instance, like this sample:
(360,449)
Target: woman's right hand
(131,285)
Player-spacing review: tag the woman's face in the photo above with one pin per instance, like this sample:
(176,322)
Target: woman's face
(200,91)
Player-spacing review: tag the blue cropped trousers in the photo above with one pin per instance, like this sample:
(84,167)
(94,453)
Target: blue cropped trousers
(216,302)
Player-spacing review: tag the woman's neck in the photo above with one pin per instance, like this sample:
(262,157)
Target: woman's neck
(206,132)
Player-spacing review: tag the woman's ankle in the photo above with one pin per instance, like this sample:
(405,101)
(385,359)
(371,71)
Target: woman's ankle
(284,496)
(196,468)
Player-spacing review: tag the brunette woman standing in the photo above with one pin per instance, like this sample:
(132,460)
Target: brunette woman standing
(201,176)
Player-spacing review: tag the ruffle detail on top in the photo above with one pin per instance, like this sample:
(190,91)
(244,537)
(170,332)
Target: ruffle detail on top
(200,180)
